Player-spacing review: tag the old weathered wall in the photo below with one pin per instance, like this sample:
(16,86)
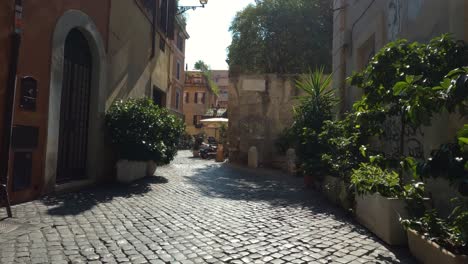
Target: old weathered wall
(260,107)
(129,53)
(40,20)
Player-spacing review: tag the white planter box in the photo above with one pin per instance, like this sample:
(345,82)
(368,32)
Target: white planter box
(381,216)
(336,191)
(129,171)
(430,253)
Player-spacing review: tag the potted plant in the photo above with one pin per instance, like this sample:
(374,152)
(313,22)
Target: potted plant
(434,240)
(314,108)
(381,201)
(144,136)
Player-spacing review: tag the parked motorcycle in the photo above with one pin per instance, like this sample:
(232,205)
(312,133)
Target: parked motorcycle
(208,151)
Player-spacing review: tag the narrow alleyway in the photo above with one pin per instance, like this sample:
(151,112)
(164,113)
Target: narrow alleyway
(196,212)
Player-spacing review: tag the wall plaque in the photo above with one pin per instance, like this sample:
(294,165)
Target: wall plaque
(28,93)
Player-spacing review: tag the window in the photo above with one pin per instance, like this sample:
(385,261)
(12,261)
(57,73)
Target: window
(186,97)
(199,98)
(159,97)
(178,70)
(177,99)
(196,121)
(180,43)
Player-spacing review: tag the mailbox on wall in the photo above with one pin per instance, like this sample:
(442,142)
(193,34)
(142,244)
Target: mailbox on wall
(28,94)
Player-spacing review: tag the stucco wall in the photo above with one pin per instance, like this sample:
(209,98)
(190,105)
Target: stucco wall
(260,107)
(191,108)
(39,23)
(129,52)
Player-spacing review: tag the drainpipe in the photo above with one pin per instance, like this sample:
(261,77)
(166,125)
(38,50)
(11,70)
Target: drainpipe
(10,103)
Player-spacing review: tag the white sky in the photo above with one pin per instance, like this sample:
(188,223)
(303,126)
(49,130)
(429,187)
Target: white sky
(209,31)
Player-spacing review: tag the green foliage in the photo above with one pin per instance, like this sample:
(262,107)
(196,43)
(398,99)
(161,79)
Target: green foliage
(463,136)
(448,161)
(343,140)
(142,131)
(314,109)
(282,36)
(206,70)
(286,139)
(201,66)
(370,179)
(451,233)
(410,80)
(223,134)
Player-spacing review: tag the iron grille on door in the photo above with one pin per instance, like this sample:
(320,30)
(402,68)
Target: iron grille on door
(74,116)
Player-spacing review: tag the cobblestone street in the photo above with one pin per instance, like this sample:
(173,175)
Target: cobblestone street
(195,212)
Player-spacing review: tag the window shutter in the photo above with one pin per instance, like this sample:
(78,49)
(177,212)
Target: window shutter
(194,120)
(203,98)
(196,98)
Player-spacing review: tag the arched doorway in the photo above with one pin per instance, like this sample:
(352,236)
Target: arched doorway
(75,107)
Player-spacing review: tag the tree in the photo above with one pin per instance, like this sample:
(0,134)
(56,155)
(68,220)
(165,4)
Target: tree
(206,70)
(201,66)
(282,36)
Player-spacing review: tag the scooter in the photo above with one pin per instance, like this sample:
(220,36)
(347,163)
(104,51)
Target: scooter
(208,151)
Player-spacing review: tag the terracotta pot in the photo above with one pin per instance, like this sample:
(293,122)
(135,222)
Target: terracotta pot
(220,153)
(431,253)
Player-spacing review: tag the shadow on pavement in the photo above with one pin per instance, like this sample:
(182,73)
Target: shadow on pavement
(279,190)
(75,203)
(238,183)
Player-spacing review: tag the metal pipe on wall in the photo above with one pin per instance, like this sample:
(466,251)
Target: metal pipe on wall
(10,104)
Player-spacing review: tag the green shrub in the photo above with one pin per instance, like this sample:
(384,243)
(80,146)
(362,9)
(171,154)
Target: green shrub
(342,140)
(412,81)
(370,179)
(142,131)
(451,233)
(314,109)
(286,139)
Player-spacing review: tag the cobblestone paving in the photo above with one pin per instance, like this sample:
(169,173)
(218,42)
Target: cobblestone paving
(196,212)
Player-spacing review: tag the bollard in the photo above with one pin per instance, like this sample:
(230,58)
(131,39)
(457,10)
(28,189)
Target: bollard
(253,157)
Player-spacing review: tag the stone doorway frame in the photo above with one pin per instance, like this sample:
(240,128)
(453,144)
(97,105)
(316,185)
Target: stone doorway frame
(76,19)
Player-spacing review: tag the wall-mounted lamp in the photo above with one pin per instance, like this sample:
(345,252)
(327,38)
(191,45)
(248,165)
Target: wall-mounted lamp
(183,9)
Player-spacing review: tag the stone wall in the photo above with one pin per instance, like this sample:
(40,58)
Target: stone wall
(260,107)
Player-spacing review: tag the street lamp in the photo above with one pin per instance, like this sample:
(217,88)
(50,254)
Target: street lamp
(183,9)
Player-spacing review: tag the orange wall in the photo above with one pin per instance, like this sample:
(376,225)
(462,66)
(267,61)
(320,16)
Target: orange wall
(39,20)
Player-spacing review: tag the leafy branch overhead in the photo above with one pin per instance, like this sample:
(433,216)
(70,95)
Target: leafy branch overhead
(206,70)
(282,36)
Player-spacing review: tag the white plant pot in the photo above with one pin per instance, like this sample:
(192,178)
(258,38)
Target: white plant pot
(431,253)
(130,171)
(381,215)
